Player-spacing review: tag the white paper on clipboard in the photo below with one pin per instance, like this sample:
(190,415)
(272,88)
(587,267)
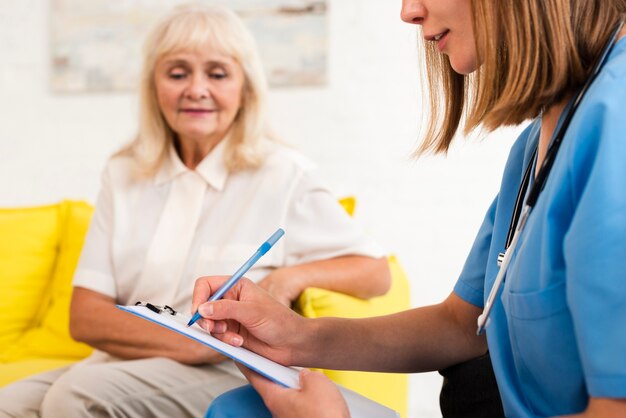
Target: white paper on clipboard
(359,406)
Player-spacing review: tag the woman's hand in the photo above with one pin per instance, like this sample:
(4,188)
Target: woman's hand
(95,320)
(249,316)
(317,397)
(602,408)
(284,284)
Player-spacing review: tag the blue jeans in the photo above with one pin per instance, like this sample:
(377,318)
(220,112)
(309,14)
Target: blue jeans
(242,402)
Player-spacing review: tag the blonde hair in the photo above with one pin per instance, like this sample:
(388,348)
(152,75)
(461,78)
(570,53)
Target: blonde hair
(532,54)
(194,27)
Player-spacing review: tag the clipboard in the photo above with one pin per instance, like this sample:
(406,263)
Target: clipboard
(359,405)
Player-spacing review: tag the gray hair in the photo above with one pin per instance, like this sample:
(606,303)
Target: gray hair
(194,27)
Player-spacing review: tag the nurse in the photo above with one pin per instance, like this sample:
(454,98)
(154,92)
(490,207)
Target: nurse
(556,335)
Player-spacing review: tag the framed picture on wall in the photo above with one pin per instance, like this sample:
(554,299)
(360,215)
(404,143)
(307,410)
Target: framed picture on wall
(95,45)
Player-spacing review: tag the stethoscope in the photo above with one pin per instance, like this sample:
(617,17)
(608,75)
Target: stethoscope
(522,210)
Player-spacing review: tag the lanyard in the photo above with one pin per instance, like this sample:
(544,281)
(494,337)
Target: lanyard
(522,211)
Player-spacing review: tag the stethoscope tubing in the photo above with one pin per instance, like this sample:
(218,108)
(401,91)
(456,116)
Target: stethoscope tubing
(517,224)
(483,319)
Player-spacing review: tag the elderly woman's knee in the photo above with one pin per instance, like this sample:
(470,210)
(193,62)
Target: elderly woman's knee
(80,390)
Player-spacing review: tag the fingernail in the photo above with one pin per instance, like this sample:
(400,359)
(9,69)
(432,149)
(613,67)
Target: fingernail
(237,340)
(206,310)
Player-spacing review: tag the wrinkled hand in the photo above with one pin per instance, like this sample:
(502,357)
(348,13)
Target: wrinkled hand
(283,285)
(249,316)
(317,397)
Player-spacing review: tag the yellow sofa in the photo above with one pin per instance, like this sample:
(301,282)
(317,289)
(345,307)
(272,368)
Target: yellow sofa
(39,249)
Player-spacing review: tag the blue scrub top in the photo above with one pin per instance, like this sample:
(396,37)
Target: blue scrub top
(558,330)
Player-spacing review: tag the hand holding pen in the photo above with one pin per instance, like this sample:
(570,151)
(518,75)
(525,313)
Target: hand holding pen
(242,270)
(250,317)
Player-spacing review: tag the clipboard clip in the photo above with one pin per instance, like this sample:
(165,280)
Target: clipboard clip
(156,308)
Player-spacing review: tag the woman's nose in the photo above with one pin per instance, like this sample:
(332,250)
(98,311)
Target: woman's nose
(198,88)
(413,11)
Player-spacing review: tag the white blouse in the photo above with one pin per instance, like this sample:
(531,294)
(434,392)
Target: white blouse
(151,238)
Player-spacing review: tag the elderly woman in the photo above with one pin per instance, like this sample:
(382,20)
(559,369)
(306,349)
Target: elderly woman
(196,192)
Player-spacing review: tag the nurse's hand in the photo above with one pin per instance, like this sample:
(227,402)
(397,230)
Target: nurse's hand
(602,408)
(248,316)
(317,396)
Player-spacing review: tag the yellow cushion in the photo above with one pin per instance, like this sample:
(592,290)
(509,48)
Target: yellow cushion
(28,249)
(390,389)
(348,203)
(50,337)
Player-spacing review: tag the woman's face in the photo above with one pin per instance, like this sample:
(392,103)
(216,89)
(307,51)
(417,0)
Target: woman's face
(199,93)
(448,23)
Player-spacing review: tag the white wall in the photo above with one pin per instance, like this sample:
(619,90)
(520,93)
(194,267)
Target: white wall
(360,128)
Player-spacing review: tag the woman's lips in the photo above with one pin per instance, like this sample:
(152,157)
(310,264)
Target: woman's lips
(197,112)
(441,40)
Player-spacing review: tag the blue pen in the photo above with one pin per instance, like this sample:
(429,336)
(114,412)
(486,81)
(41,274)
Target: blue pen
(242,270)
